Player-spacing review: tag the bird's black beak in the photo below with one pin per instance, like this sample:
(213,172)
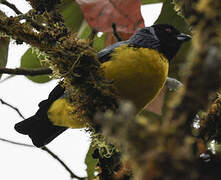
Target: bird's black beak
(183,37)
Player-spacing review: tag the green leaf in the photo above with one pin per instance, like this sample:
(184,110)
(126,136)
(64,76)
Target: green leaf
(151,1)
(72,14)
(4,42)
(84,31)
(99,42)
(31,60)
(91,163)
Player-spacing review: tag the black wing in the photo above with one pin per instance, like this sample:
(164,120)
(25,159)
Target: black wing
(104,55)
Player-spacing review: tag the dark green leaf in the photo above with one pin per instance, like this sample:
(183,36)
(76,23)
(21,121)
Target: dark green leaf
(4,42)
(72,14)
(151,1)
(31,60)
(99,42)
(91,163)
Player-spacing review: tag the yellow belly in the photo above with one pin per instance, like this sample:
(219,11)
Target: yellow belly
(138,73)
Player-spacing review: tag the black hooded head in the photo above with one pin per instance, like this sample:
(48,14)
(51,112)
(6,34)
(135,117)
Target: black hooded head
(162,37)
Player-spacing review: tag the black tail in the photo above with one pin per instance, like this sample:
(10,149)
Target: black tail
(38,127)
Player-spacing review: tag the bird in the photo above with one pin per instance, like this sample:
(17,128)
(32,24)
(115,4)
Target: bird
(138,68)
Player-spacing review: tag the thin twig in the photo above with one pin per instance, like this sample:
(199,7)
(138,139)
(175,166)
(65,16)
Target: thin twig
(61,162)
(91,37)
(7,78)
(43,148)
(16,109)
(48,151)
(16,143)
(117,36)
(12,6)
(23,71)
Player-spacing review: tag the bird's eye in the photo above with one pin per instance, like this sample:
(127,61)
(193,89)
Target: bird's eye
(168,30)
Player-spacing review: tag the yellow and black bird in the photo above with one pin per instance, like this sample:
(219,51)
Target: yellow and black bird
(138,68)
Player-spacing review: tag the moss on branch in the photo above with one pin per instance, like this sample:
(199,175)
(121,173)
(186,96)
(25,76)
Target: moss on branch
(70,58)
(204,78)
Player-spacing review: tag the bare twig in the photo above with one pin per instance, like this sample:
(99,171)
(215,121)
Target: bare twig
(91,37)
(16,143)
(23,71)
(12,6)
(16,109)
(117,36)
(61,162)
(7,78)
(48,151)
(43,148)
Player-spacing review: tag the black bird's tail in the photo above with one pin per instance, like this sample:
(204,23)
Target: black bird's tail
(38,127)
(41,132)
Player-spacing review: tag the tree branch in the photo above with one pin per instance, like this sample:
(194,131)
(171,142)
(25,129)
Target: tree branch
(29,18)
(117,36)
(24,71)
(43,148)
(48,151)
(61,162)
(16,143)
(16,109)
(22,32)
(11,6)
(92,36)
(7,78)
(204,78)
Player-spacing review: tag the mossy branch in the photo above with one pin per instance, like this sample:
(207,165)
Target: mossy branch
(70,58)
(10,5)
(25,71)
(204,78)
(210,124)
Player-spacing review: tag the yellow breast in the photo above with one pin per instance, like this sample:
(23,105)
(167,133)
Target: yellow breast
(138,73)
